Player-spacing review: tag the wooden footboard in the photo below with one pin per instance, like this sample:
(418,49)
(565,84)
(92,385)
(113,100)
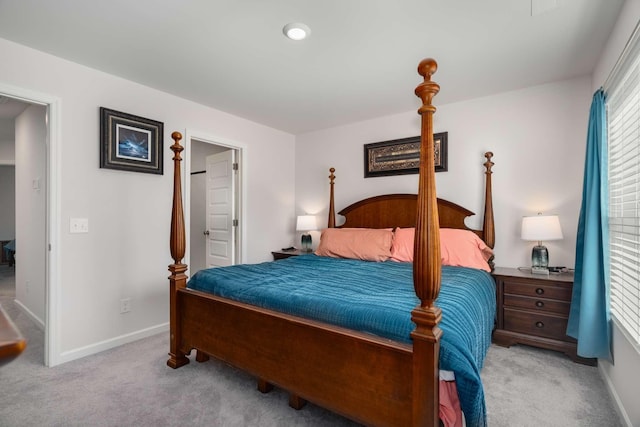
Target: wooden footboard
(363,377)
(368,379)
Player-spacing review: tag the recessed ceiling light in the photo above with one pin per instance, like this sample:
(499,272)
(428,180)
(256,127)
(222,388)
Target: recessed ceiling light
(296,31)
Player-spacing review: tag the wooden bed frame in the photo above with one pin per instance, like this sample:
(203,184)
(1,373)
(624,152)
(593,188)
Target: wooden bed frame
(372,380)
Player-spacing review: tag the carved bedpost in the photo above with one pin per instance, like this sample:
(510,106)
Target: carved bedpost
(178,278)
(426,265)
(488,226)
(331,223)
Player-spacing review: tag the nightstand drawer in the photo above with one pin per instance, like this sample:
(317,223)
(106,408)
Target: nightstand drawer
(540,290)
(548,326)
(537,304)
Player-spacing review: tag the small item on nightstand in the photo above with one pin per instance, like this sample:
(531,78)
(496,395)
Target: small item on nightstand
(557,270)
(540,270)
(285,253)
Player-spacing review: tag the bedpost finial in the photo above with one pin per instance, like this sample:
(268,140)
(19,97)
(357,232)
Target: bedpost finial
(331,175)
(428,88)
(176,147)
(488,164)
(427,68)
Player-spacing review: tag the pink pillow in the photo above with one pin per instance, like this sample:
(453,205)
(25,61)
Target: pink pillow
(402,248)
(457,247)
(367,244)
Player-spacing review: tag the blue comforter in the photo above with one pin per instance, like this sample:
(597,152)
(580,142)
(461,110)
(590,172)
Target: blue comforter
(375,298)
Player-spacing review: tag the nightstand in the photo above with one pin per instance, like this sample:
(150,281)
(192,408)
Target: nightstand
(533,309)
(286,254)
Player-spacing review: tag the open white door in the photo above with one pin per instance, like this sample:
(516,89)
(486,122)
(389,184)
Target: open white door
(221,193)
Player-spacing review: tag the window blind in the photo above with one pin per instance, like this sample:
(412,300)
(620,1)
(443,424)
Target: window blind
(623,116)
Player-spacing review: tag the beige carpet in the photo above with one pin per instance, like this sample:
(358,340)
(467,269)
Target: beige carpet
(132,386)
(531,387)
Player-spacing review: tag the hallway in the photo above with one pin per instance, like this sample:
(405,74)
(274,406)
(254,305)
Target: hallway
(7,281)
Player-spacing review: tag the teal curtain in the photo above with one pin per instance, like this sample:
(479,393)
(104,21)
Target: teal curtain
(590,318)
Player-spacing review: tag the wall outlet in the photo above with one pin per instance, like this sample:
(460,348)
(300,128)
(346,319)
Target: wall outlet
(125,305)
(78,225)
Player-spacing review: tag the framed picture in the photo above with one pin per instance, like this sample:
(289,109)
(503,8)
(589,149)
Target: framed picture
(402,156)
(130,143)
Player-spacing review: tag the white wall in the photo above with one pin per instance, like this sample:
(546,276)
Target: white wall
(626,23)
(7,142)
(30,211)
(623,377)
(7,202)
(537,136)
(126,252)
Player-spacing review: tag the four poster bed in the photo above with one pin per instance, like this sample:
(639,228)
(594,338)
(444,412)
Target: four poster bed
(371,376)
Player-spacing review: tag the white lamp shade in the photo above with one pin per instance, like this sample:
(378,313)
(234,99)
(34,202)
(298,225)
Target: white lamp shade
(306,223)
(541,227)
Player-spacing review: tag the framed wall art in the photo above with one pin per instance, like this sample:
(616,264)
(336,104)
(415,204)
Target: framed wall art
(402,156)
(130,143)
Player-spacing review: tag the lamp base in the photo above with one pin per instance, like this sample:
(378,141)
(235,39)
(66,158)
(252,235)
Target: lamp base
(539,260)
(305,240)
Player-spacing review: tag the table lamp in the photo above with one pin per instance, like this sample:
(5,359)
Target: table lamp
(539,228)
(306,223)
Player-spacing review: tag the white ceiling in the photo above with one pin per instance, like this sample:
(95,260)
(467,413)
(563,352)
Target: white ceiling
(359,62)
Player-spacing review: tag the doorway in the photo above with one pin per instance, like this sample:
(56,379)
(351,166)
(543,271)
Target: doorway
(214,191)
(36,219)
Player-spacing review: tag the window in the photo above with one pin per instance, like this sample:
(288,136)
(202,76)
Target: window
(623,115)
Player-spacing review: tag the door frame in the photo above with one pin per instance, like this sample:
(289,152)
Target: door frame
(52,336)
(241,159)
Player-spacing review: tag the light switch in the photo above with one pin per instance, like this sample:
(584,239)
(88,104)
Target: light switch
(78,225)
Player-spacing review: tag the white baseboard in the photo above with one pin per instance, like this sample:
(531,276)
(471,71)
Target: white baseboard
(614,395)
(39,322)
(68,356)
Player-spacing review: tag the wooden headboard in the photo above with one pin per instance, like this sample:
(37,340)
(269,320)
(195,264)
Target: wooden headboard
(399,210)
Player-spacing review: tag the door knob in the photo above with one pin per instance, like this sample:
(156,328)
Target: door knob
(206,232)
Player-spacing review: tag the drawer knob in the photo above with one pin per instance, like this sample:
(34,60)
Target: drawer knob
(539,304)
(539,291)
(539,325)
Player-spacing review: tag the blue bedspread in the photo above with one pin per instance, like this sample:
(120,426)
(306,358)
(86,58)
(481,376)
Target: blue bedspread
(376,298)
